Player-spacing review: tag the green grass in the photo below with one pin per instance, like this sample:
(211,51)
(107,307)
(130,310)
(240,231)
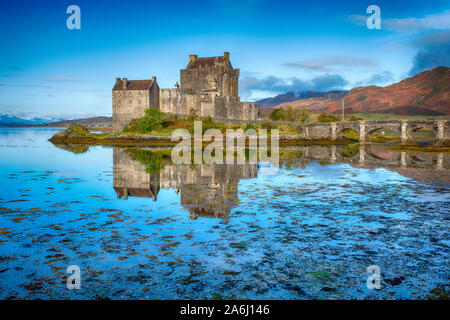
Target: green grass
(78,129)
(380,116)
(152,160)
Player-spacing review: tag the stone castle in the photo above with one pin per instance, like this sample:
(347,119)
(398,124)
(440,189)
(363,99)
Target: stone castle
(208,88)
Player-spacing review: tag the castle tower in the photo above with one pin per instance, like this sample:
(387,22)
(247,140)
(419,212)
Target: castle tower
(210,74)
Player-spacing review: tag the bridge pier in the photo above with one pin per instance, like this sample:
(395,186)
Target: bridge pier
(362,132)
(306,131)
(333,131)
(333,153)
(440,132)
(440,161)
(362,155)
(403,161)
(404,132)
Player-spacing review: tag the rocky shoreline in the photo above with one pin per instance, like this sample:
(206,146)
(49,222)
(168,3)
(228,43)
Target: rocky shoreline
(79,135)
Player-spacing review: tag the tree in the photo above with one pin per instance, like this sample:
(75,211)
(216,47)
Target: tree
(276,114)
(301,115)
(289,114)
(354,118)
(327,118)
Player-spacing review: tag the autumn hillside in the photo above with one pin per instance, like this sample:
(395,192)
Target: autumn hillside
(427,93)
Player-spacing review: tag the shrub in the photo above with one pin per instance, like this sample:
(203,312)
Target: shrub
(152,160)
(289,129)
(324,117)
(289,114)
(208,119)
(301,115)
(276,114)
(192,117)
(354,118)
(152,120)
(266,125)
(249,126)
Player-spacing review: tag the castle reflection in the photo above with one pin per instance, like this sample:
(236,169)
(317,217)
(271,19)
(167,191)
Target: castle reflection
(206,190)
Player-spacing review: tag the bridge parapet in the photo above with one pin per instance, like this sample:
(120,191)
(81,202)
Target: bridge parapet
(405,129)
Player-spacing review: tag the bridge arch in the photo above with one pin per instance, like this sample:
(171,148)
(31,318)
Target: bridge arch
(373,130)
(343,127)
(349,131)
(414,128)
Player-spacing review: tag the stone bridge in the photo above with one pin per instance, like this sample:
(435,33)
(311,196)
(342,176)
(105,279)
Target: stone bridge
(405,129)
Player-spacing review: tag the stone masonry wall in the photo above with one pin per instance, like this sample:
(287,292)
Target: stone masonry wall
(176,101)
(128,105)
(131,104)
(219,77)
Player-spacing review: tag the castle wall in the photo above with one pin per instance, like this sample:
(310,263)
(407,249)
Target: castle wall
(131,104)
(176,101)
(233,108)
(128,105)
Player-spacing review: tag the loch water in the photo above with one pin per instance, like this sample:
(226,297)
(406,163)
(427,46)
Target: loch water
(139,227)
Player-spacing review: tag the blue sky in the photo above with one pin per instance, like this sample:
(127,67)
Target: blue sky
(47,69)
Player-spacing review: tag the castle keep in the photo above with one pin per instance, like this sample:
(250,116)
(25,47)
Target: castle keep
(208,88)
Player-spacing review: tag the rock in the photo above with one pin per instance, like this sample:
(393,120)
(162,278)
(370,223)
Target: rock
(395,281)
(327,289)
(72,132)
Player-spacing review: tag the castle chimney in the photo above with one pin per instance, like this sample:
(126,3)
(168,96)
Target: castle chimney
(192,57)
(124,83)
(117,80)
(226,54)
(154,79)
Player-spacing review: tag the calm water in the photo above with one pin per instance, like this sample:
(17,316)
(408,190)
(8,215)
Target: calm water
(308,230)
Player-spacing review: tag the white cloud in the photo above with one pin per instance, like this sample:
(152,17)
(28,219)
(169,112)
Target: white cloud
(326,64)
(272,84)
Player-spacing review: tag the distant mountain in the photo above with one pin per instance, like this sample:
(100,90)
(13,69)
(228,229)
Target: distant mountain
(7,119)
(12,120)
(427,93)
(93,121)
(292,96)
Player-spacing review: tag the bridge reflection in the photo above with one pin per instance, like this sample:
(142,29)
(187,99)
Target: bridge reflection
(374,155)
